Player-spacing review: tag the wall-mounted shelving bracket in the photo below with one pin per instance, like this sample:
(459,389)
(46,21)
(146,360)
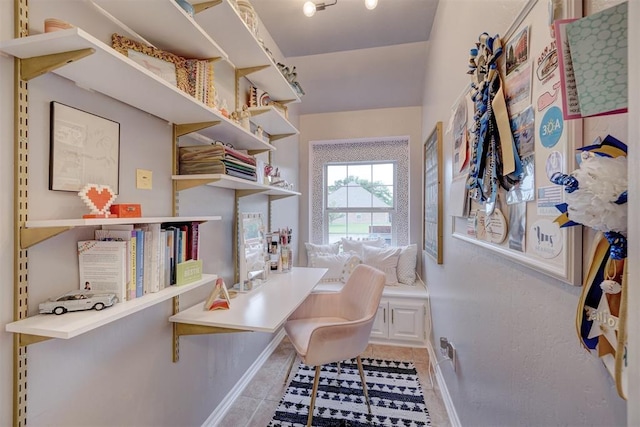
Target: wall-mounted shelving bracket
(244,193)
(31,236)
(183,329)
(280,136)
(187,329)
(187,128)
(190,183)
(254,152)
(243,72)
(39,65)
(197,8)
(27,339)
(273,197)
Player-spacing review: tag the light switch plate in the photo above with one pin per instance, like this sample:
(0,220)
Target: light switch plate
(144,179)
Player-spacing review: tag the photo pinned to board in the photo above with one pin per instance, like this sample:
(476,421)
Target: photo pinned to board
(522,126)
(517,50)
(517,89)
(525,189)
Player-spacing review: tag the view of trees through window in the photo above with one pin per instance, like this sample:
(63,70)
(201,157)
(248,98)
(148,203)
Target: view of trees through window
(360,200)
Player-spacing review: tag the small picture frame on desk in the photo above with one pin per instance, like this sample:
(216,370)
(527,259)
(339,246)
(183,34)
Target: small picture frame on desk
(84,149)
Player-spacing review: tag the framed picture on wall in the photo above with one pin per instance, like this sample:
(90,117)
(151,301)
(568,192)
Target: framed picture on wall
(85,149)
(432,194)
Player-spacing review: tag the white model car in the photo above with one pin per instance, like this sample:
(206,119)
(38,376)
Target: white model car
(78,300)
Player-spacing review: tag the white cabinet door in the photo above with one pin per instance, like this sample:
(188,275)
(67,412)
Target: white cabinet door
(407,321)
(380,328)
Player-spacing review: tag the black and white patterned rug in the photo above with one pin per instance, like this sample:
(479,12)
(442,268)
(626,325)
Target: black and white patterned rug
(394,391)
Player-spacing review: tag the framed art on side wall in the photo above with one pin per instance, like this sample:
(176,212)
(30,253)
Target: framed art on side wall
(432,194)
(85,149)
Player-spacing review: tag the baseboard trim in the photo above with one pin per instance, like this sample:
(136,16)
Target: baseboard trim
(444,391)
(221,410)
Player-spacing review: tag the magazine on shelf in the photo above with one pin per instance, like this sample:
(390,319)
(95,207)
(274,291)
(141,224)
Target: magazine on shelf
(103,267)
(126,234)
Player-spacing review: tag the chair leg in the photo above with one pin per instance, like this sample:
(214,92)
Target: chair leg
(312,405)
(364,383)
(293,359)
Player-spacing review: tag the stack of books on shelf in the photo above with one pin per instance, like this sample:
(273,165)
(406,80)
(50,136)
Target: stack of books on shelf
(200,75)
(134,260)
(217,158)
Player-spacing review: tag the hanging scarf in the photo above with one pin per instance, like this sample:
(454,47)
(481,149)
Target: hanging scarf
(485,174)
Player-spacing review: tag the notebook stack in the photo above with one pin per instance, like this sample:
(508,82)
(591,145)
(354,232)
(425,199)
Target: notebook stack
(216,159)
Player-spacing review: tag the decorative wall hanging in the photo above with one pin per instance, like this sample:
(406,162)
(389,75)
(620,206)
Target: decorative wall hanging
(597,198)
(432,187)
(85,148)
(494,158)
(518,138)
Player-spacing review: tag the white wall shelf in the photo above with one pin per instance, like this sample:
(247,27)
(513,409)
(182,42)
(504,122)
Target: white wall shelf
(113,74)
(72,324)
(225,25)
(36,231)
(225,181)
(151,20)
(272,121)
(254,310)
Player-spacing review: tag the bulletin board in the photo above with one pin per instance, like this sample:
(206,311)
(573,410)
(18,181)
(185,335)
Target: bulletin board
(522,227)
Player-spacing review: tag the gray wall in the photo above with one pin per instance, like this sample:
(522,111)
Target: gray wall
(122,373)
(520,361)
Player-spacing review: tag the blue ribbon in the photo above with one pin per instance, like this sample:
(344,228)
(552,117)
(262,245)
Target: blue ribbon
(618,243)
(570,182)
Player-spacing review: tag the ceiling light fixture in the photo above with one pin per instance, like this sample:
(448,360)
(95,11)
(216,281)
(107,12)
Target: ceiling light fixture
(310,8)
(370,4)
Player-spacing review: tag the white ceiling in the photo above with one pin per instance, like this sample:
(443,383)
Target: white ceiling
(350,58)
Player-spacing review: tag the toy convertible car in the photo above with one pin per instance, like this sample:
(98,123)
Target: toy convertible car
(76,301)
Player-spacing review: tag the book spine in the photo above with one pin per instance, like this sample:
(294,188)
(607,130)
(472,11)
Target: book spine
(148,249)
(195,240)
(162,257)
(168,255)
(139,262)
(183,244)
(133,254)
(154,280)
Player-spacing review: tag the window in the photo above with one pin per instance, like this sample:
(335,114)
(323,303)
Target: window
(359,200)
(359,189)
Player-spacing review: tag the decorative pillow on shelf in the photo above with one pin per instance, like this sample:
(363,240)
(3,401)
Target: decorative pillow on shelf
(407,264)
(314,249)
(356,246)
(340,265)
(385,259)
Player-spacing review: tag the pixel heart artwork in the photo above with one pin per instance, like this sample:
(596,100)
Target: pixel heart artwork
(98,198)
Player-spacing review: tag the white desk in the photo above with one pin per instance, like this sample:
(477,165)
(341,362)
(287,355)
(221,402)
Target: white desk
(263,309)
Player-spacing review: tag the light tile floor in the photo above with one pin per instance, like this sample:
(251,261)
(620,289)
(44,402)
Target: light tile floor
(259,400)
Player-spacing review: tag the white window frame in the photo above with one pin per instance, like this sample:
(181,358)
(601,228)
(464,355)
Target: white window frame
(365,150)
(327,210)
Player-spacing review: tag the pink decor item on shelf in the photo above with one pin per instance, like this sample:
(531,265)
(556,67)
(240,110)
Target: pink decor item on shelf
(99,199)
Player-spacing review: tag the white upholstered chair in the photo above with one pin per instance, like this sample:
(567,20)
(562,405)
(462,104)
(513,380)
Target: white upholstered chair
(334,326)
